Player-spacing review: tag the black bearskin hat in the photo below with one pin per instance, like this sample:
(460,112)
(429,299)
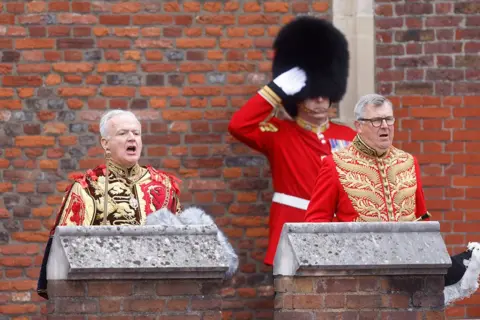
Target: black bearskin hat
(321,50)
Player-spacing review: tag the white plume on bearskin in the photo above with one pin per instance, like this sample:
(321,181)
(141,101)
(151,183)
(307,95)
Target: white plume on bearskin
(468,284)
(195,216)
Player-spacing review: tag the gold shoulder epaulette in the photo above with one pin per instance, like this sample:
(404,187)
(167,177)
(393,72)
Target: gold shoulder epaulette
(267,127)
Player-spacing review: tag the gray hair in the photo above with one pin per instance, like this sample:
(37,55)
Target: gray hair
(109,115)
(373,98)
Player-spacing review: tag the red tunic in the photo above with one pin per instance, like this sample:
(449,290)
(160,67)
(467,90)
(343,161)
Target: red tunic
(293,152)
(357,185)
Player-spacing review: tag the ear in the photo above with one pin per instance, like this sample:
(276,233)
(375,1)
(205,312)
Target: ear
(104,143)
(358,126)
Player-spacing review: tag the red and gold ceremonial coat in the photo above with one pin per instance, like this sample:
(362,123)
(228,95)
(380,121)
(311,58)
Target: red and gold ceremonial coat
(359,185)
(293,151)
(133,194)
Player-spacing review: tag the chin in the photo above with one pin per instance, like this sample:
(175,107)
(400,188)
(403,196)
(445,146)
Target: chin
(319,116)
(130,162)
(386,146)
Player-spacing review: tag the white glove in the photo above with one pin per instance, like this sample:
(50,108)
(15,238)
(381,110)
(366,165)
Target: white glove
(291,81)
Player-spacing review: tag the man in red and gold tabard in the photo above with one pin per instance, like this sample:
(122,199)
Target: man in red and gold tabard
(134,191)
(310,71)
(370,180)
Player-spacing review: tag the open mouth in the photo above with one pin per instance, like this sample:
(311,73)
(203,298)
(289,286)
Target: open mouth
(131,149)
(384,135)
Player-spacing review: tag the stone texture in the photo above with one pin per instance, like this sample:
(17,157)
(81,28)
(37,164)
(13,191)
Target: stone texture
(403,247)
(109,252)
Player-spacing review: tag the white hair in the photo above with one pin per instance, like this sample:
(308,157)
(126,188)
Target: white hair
(373,98)
(109,115)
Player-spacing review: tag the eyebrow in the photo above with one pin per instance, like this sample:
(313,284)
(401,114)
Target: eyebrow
(122,130)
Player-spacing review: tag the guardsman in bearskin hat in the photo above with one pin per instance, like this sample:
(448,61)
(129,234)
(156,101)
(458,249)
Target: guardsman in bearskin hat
(310,71)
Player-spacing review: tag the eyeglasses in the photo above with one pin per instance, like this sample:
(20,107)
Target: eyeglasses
(377,122)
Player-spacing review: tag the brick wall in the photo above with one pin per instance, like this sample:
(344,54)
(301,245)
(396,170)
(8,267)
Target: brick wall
(428,62)
(184,67)
(360,297)
(137,299)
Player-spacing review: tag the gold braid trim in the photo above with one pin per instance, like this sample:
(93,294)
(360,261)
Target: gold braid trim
(275,101)
(361,146)
(271,97)
(311,127)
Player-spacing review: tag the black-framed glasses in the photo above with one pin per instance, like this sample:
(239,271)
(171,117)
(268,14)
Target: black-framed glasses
(377,122)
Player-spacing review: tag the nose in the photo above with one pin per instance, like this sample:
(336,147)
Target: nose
(384,124)
(131,136)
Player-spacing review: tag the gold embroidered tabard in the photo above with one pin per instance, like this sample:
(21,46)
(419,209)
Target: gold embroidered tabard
(122,205)
(380,187)
(133,193)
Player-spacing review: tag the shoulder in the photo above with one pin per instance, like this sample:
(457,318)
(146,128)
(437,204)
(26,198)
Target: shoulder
(328,160)
(84,179)
(276,127)
(344,154)
(348,151)
(342,129)
(402,155)
(164,178)
(340,124)
(271,126)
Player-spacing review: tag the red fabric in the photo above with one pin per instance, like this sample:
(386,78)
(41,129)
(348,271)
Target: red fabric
(152,191)
(294,155)
(77,207)
(329,197)
(59,213)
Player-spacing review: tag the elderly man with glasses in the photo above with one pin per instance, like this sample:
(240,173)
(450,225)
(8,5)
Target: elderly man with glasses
(370,180)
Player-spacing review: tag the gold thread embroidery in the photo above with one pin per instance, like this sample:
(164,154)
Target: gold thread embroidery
(269,95)
(275,101)
(379,188)
(311,127)
(362,147)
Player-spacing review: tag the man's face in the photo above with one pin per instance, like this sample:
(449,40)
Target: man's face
(124,140)
(379,138)
(314,109)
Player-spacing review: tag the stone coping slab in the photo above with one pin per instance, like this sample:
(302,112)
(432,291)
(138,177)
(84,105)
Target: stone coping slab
(136,252)
(352,248)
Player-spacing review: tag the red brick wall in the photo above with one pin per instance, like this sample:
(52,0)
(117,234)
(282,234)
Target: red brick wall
(428,61)
(184,68)
(359,297)
(135,299)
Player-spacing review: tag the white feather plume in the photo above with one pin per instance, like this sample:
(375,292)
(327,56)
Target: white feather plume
(195,216)
(468,285)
